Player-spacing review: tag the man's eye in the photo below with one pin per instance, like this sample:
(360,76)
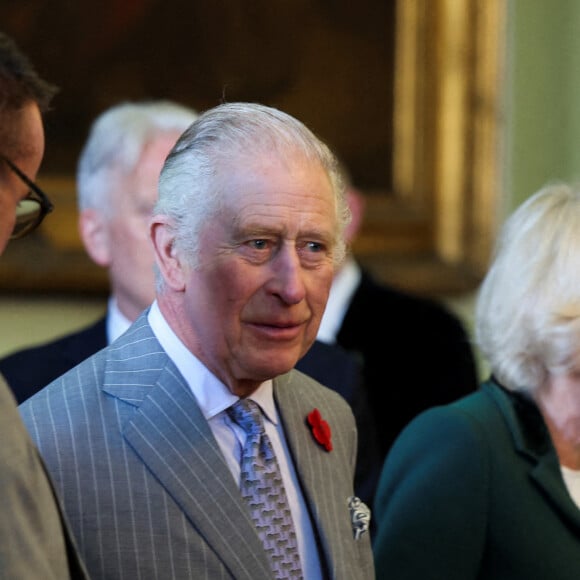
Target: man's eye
(315,246)
(259,244)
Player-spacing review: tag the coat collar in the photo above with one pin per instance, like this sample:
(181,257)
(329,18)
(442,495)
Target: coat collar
(532,440)
(316,468)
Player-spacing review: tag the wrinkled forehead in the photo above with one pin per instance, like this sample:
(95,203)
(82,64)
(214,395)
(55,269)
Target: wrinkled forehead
(271,169)
(278,186)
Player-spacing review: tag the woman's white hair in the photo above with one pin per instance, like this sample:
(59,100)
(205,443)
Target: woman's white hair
(223,137)
(528,308)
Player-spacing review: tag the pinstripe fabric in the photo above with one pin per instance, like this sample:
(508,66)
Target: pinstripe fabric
(145,486)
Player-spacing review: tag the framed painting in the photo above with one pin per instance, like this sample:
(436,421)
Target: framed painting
(407,92)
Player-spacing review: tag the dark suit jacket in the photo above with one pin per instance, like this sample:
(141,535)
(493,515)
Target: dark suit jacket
(146,487)
(415,354)
(29,370)
(473,491)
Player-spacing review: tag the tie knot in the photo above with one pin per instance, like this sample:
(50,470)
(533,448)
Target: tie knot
(248,416)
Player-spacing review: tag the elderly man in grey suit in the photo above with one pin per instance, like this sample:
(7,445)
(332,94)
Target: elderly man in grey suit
(142,438)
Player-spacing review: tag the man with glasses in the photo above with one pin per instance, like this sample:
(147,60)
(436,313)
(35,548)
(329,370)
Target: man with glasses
(34,537)
(31,210)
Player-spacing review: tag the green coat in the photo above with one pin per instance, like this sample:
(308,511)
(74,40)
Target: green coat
(473,490)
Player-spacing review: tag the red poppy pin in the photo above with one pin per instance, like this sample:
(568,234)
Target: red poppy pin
(320,429)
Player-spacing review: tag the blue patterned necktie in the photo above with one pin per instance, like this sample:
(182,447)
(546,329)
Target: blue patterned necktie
(262,488)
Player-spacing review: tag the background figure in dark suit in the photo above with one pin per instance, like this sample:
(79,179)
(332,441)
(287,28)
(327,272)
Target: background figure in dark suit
(415,352)
(247,232)
(34,537)
(117,178)
(488,487)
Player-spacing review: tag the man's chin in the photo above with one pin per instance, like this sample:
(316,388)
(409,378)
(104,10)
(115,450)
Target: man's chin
(271,366)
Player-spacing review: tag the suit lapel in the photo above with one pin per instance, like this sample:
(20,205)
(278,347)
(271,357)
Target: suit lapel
(319,471)
(170,435)
(547,475)
(531,440)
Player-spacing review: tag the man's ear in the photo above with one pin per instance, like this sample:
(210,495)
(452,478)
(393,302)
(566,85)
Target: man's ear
(168,261)
(94,235)
(357,203)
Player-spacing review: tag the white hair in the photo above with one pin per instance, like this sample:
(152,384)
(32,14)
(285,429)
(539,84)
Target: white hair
(116,141)
(226,135)
(528,308)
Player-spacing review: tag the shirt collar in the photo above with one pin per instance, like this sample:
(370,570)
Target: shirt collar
(211,394)
(117,322)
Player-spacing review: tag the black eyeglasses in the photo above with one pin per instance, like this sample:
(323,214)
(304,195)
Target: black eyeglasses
(31,210)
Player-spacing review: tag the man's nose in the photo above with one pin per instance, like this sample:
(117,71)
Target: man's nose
(288,275)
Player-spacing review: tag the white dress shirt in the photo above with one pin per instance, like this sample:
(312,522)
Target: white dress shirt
(572,481)
(117,322)
(344,285)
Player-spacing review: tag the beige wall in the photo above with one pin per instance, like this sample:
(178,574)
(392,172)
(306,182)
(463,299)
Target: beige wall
(32,320)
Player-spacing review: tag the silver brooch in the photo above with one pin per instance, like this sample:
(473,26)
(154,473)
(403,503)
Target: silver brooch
(360,516)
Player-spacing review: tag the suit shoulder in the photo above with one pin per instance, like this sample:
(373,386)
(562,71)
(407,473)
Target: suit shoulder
(472,414)
(73,384)
(30,369)
(310,393)
(89,336)
(334,367)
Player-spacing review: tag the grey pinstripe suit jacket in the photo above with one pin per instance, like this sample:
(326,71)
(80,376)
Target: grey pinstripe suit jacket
(145,486)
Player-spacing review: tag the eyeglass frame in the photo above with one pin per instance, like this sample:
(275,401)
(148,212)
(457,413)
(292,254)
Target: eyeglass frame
(46,206)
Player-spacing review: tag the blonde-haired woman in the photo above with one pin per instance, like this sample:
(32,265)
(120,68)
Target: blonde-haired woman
(489,487)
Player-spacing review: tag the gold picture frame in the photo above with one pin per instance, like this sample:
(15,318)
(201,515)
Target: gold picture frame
(432,230)
(435,233)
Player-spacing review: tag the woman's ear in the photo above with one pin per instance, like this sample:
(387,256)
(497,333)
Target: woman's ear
(95,236)
(168,261)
